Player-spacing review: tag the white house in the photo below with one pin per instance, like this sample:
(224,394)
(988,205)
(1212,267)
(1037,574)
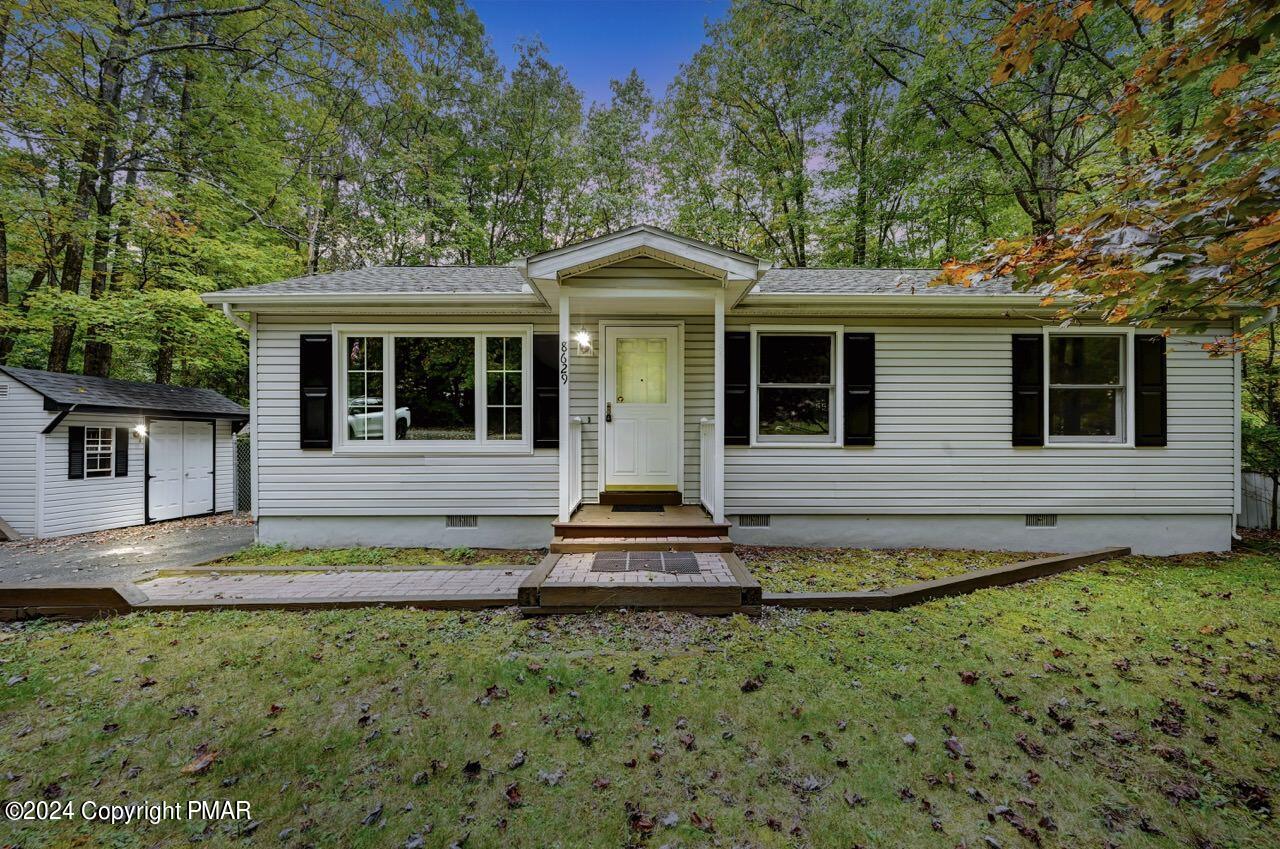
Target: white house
(81,454)
(447,406)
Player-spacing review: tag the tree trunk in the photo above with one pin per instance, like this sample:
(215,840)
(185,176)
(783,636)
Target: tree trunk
(110,78)
(97,351)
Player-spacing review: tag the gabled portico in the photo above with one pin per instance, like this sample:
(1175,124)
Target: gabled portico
(638,286)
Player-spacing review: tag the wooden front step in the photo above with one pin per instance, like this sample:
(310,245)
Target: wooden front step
(725,598)
(664,497)
(615,542)
(633,530)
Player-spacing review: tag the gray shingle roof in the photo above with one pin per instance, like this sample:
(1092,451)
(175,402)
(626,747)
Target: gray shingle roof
(408,280)
(866,281)
(68,389)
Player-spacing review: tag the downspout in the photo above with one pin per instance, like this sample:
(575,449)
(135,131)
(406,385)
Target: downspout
(235,319)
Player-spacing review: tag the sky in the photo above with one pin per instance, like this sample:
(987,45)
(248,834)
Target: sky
(600,40)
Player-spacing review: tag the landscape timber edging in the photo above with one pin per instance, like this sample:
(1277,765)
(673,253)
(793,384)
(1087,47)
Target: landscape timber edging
(895,598)
(19,603)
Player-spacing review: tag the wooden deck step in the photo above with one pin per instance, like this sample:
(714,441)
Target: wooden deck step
(565,598)
(670,496)
(632,530)
(616,542)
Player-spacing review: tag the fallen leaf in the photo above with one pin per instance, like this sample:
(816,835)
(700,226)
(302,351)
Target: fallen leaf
(201,764)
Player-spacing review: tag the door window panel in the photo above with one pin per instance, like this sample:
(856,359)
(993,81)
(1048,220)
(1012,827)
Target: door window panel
(641,366)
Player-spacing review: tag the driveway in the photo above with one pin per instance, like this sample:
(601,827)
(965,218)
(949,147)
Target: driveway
(124,554)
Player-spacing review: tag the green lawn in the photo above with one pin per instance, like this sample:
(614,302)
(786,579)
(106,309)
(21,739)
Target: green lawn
(843,569)
(278,555)
(1129,704)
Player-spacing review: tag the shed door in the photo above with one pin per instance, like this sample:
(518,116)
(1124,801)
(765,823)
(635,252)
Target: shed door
(197,468)
(181,469)
(164,486)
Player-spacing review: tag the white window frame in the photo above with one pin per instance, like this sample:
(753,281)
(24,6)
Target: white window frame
(833,439)
(1124,404)
(110,451)
(388,444)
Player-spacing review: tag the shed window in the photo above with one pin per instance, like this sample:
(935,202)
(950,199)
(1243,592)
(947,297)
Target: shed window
(1086,388)
(795,387)
(99,451)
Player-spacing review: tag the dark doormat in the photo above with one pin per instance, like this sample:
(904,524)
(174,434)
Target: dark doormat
(667,562)
(637,508)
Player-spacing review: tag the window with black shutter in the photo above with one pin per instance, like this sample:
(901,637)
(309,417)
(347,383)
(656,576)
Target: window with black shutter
(315,377)
(122,452)
(546,390)
(1151,418)
(75,453)
(737,388)
(859,389)
(1028,389)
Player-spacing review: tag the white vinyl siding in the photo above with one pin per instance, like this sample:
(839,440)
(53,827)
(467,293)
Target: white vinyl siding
(294,482)
(91,503)
(24,417)
(943,417)
(224,467)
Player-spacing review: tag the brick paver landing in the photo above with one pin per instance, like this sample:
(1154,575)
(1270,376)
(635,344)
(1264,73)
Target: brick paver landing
(426,585)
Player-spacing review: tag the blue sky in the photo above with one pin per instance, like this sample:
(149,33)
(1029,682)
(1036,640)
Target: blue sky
(600,40)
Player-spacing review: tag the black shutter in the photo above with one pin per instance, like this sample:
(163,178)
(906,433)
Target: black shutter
(546,390)
(1151,425)
(75,453)
(859,389)
(1028,389)
(122,452)
(737,388)
(315,380)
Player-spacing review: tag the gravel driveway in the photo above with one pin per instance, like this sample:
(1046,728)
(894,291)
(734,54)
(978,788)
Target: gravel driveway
(124,554)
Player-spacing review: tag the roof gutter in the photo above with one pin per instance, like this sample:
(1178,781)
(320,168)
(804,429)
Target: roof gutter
(233,318)
(230,296)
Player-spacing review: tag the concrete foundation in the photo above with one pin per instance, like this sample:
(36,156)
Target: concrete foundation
(403,532)
(1144,534)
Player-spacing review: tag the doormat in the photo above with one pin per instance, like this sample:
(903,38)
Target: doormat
(637,508)
(667,562)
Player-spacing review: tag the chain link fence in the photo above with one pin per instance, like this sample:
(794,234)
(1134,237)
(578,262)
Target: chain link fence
(243,474)
(1257,506)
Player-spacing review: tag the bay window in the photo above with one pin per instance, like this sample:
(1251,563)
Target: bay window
(794,390)
(439,387)
(1086,383)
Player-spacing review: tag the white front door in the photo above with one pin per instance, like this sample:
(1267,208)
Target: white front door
(164,487)
(197,468)
(641,429)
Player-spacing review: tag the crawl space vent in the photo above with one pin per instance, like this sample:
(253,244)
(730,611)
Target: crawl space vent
(461,521)
(1042,520)
(755,520)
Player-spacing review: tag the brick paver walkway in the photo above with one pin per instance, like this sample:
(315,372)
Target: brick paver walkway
(576,569)
(420,584)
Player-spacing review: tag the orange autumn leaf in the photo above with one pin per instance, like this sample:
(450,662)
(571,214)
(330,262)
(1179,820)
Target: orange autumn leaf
(1083,9)
(1261,237)
(1229,79)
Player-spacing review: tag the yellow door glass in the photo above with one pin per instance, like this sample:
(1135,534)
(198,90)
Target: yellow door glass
(641,371)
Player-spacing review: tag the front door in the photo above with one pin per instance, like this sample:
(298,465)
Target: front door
(642,407)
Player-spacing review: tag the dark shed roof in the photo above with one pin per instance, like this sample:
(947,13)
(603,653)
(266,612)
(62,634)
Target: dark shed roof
(62,391)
